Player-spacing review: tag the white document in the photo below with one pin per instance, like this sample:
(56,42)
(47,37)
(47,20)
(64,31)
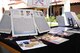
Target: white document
(22,23)
(54,40)
(40,22)
(58,30)
(73,31)
(59,40)
(28,48)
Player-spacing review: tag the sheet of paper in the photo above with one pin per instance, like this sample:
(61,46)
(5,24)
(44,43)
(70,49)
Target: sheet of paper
(53,39)
(73,30)
(59,40)
(28,48)
(58,30)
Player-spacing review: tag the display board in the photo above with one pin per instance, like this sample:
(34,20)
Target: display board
(70,18)
(5,23)
(60,20)
(41,22)
(77,20)
(22,23)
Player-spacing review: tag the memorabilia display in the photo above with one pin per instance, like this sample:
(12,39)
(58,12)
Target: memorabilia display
(22,23)
(30,44)
(53,39)
(41,22)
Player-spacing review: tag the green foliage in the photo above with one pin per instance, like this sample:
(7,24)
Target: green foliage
(50,19)
(78,15)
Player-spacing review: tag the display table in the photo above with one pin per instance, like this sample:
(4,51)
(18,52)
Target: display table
(68,46)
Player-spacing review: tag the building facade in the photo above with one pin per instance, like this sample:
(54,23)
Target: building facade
(41,5)
(57,9)
(55,6)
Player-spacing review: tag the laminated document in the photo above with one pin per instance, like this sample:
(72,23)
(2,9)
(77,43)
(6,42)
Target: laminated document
(73,31)
(59,30)
(53,39)
(56,30)
(28,44)
(59,40)
(22,23)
